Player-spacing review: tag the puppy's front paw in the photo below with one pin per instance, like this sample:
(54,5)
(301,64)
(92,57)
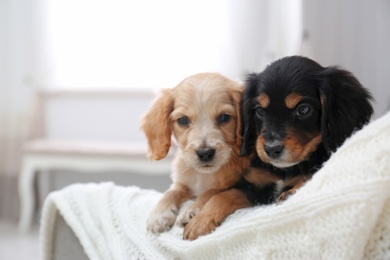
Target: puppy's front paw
(161,221)
(199,226)
(187,215)
(284,196)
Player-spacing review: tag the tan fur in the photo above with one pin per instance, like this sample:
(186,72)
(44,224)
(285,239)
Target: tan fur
(260,177)
(157,125)
(295,183)
(292,100)
(202,98)
(264,100)
(215,212)
(296,147)
(260,149)
(297,151)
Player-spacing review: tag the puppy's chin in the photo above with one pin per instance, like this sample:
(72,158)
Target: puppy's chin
(282,164)
(207,169)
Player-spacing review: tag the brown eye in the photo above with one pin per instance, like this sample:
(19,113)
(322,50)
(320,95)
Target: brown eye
(223,118)
(260,111)
(304,111)
(183,121)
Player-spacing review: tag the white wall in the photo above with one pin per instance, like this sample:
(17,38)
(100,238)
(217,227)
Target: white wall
(16,56)
(354,34)
(95,115)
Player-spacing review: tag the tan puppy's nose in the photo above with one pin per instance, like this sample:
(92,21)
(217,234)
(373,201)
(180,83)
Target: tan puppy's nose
(205,155)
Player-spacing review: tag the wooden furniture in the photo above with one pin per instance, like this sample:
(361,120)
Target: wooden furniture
(85,131)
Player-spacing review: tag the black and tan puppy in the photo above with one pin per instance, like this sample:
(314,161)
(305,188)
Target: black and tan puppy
(295,114)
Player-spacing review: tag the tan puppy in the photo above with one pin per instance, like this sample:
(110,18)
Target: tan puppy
(203,115)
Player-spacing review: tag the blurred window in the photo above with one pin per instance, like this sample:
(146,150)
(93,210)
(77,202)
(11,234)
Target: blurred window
(123,43)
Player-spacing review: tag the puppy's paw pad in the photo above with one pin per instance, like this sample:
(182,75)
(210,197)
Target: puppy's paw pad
(162,221)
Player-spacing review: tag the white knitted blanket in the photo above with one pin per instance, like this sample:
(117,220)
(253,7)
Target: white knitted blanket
(342,213)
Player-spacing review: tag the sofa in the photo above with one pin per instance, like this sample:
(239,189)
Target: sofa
(343,212)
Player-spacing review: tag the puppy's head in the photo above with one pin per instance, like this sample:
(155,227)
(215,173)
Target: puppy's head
(203,115)
(295,104)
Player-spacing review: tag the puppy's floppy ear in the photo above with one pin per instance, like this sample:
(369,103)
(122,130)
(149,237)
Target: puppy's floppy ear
(345,106)
(236,97)
(157,125)
(249,131)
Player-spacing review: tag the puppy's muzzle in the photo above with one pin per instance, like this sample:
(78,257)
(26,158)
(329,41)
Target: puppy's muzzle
(205,155)
(273,151)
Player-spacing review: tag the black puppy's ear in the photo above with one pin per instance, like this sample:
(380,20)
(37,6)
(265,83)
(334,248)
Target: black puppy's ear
(345,106)
(248,127)
(248,138)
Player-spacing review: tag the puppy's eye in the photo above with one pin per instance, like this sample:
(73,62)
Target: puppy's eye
(304,111)
(183,121)
(260,111)
(223,118)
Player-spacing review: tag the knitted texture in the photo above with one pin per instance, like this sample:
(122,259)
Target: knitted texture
(343,212)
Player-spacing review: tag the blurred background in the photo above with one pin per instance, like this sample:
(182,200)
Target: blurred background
(76,76)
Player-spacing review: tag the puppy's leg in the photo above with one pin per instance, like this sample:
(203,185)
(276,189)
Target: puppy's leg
(195,207)
(164,215)
(214,213)
(291,188)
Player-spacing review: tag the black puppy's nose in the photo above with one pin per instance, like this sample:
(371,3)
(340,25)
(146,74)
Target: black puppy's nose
(273,151)
(206,155)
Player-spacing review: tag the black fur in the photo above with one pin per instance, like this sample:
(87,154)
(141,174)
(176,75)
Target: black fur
(340,106)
